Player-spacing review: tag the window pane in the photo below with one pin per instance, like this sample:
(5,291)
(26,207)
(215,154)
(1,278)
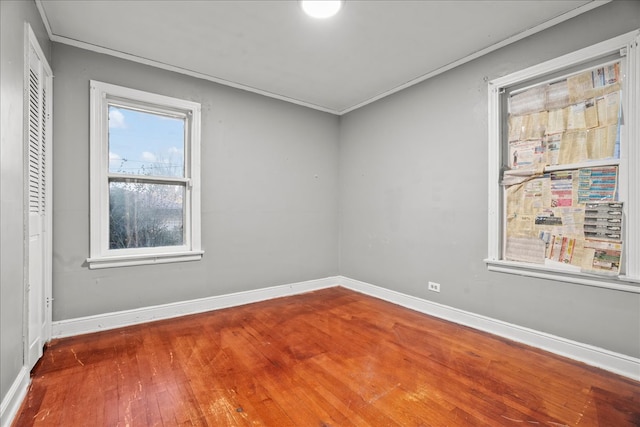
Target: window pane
(143,215)
(143,143)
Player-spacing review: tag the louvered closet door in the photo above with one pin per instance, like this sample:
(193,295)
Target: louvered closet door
(37,167)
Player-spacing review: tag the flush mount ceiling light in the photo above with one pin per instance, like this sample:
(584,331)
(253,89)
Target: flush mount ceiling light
(321,8)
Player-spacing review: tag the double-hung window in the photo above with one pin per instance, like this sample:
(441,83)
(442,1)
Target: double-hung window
(145,178)
(564,168)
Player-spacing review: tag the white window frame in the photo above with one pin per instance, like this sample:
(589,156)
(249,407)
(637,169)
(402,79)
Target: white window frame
(101,256)
(629,163)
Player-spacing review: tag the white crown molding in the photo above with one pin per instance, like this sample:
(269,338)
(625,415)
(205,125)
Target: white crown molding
(531,31)
(611,361)
(13,399)
(164,66)
(339,112)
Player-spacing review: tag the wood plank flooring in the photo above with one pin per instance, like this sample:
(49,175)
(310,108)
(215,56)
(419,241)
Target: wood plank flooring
(327,358)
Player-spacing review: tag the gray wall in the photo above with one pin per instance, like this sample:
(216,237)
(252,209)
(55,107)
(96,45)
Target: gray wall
(278,182)
(269,192)
(13,15)
(413,196)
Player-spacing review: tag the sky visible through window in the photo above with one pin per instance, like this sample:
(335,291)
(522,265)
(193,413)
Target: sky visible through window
(143,143)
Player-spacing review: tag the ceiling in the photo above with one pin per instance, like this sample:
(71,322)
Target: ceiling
(369,50)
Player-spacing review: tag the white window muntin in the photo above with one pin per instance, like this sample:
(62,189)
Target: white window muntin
(626,47)
(104,95)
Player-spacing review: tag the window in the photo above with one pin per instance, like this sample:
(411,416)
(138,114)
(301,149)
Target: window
(145,178)
(564,168)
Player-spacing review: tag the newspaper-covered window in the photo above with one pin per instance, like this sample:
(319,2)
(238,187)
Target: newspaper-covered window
(555,130)
(564,185)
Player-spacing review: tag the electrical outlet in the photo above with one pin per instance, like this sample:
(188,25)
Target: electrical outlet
(433,286)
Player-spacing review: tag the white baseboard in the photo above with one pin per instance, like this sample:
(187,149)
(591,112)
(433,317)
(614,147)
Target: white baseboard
(103,322)
(614,362)
(13,399)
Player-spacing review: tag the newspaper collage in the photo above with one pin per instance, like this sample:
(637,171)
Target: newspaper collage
(557,215)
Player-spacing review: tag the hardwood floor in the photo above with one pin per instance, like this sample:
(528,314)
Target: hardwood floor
(327,358)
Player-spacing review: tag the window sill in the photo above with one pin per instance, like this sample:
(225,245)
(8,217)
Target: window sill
(618,283)
(131,260)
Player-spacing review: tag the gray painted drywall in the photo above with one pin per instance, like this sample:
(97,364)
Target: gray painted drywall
(269,192)
(13,15)
(279,180)
(413,196)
